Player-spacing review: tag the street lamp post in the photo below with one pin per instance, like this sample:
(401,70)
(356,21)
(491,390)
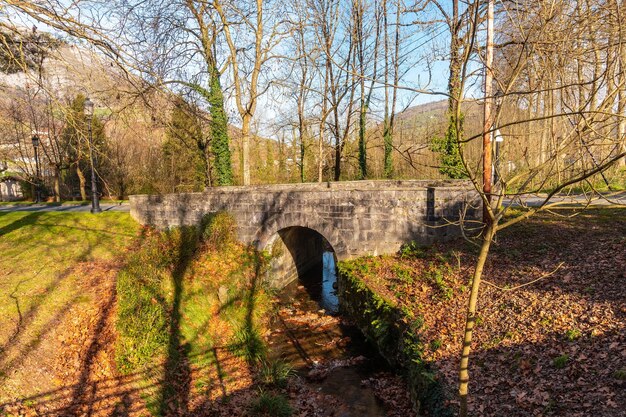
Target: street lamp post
(95,201)
(35,140)
(498,139)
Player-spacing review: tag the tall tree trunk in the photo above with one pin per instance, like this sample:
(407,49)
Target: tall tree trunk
(387,139)
(245,147)
(121,186)
(82,182)
(320,153)
(57,184)
(359,41)
(621,105)
(302,148)
(454,80)
(301,115)
(470,321)
(488,119)
(390,118)
(362,148)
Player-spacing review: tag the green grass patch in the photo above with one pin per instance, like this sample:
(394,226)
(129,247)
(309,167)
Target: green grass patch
(276,373)
(186,297)
(270,405)
(572,334)
(560,362)
(620,374)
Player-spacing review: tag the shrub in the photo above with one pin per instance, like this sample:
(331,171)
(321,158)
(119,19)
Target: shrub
(273,405)
(560,361)
(218,229)
(276,372)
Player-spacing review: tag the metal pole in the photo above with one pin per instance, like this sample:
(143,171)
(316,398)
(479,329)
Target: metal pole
(496,173)
(487,148)
(95,201)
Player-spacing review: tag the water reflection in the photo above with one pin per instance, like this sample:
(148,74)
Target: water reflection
(323,291)
(329,300)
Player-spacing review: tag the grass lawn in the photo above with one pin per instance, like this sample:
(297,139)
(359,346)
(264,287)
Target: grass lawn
(40,283)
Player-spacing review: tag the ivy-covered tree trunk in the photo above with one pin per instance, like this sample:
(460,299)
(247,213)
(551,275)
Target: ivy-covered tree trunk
(451,164)
(362,149)
(388,141)
(219,131)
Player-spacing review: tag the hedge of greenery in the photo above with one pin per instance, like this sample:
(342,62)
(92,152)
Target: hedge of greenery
(395,333)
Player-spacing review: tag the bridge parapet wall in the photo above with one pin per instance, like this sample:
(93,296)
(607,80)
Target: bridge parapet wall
(356,217)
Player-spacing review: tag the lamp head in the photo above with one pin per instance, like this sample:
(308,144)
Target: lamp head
(498,97)
(88,106)
(35,140)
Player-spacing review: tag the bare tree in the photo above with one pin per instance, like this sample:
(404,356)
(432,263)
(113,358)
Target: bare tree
(259,32)
(577,95)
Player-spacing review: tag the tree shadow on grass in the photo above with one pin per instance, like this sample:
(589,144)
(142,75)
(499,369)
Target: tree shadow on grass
(88,392)
(27,220)
(174,396)
(118,395)
(27,320)
(175,392)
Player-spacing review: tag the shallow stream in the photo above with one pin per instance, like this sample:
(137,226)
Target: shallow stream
(329,353)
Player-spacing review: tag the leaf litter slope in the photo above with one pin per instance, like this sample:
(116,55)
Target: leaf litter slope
(57,271)
(555,347)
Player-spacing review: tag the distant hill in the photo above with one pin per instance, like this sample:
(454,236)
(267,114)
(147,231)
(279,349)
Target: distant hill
(415,129)
(36,60)
(434,108)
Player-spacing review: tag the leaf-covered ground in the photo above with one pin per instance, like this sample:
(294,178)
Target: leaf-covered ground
(555,347)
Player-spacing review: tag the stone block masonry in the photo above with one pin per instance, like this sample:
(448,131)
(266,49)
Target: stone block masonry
(355,217)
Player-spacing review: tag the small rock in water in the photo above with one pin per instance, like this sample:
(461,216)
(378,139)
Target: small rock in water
(318,374)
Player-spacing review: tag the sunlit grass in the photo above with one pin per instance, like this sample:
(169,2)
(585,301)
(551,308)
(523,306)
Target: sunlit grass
(39,278)
(191,302)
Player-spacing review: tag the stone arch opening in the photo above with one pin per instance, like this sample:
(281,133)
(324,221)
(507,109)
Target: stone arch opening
(301,253)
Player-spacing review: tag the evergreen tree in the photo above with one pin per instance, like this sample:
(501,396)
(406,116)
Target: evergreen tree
(185,151)
(75,138)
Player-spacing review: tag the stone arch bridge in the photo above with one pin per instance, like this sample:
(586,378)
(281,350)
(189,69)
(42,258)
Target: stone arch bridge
(298,222)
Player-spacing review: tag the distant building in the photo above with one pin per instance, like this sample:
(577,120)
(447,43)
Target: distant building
(10,189)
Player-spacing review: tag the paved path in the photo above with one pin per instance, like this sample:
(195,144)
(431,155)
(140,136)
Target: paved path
(536,200)
(70,208)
